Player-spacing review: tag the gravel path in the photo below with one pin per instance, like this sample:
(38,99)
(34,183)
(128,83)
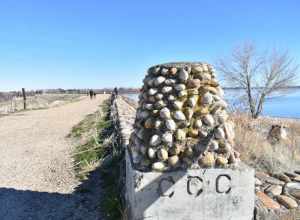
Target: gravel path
(36,178)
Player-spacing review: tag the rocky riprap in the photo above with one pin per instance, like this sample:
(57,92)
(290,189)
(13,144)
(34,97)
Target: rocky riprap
(278,194)
(181,121)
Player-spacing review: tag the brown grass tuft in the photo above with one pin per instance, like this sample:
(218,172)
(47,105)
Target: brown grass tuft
(256,151)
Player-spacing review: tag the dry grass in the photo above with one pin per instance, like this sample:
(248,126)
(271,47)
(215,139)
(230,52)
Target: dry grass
(256,151)
(36,102)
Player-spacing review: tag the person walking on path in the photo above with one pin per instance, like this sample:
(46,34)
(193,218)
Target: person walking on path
(91,92)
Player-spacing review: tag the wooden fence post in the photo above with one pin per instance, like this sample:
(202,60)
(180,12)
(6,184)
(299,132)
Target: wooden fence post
(24,97)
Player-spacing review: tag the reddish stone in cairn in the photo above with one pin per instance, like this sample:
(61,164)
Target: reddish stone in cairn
(267,201)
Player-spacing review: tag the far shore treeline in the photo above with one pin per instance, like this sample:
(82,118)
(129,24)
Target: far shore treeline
(4,96)
(122,90)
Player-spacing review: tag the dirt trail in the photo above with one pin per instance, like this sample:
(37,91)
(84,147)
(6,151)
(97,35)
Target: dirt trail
(36,178)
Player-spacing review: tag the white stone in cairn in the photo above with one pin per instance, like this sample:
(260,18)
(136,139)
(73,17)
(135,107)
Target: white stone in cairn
(219,133)
(208,120)
(205,67)
(170,125)
(162,154)
(197,69)
(182,93)
(178,115)
(198,123)
(172,161)
(165,113)
(166,89)
(171,98)
(164,71)
(214,145)
(152,91)
(155,140)
(157,124)
(180,135)
(179,87)
(207,98)
(177,105)
(159,96)
(192,101)
(183,75)
(160,104)
(148,106)
(170,82)
(158,166)
(221,116)
(151,153)
(203,133)
(189,113)
(206,76)
(159,80)
(167,138)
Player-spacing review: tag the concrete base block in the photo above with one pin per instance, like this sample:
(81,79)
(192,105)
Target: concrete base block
(200,194)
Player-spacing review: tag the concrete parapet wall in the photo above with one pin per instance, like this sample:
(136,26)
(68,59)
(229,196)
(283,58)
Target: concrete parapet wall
(212,194)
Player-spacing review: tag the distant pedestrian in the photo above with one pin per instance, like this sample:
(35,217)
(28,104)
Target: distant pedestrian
(94,94)
(116,91)
(91,92)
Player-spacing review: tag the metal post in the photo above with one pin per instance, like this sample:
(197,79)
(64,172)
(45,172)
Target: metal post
(24,97)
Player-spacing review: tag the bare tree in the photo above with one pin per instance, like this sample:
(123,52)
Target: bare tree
(258,74)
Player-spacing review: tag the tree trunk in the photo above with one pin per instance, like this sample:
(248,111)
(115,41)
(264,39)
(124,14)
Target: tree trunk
(250,99)
(260,106)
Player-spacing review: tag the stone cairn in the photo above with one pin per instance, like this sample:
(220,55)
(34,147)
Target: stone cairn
(181,121)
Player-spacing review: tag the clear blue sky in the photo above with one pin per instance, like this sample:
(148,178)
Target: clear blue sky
(97,43)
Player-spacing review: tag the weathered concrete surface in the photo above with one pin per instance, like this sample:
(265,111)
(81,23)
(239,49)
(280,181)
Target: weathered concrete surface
(192,194)
(213,194)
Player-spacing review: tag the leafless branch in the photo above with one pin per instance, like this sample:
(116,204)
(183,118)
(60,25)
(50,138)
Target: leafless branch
(258,74)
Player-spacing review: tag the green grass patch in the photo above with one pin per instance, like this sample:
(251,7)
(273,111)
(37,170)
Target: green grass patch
(88,123)
(91,129)
(100,146)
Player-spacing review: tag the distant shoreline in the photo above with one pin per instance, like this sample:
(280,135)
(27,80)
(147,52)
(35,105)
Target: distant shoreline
(122,90)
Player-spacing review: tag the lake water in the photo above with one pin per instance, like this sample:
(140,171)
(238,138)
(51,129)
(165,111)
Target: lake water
(286,106)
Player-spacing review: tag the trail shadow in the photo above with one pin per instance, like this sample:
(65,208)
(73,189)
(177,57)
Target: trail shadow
(83,203)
